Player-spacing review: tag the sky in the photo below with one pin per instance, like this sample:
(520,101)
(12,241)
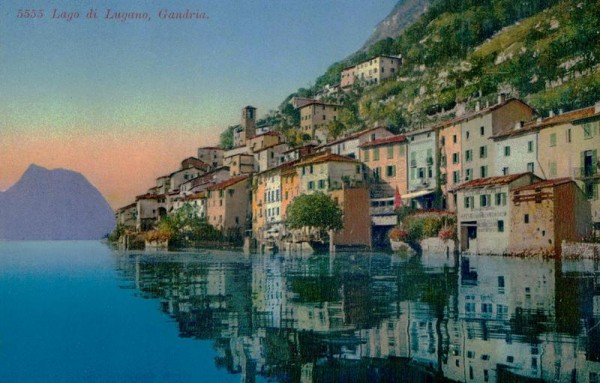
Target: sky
(123,102)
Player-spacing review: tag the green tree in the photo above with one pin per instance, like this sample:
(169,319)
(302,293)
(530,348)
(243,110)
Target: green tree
(317,211)
(335,129)
(226,138)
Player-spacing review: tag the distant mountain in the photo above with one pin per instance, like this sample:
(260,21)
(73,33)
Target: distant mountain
(405,12)
(54,204)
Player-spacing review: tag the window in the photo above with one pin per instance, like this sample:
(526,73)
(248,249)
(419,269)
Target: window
(456,176)
(505,171)
(467,135)
(311,169)
(443,141)
(401,151)
(482,130)
(377,173)
(311,185)
(530,146)
(553,169)
(506,151)
(510,359)
(322,184)
(390,171)
(390,152)
(421,173)
(375,154)
(468,155)
(501,226)
(553,139)
(568,135)
(468,174)
(469,202)
(530,167)
(587,131)
(483,152)
(526,218)
(357,169)
(483,171)
(500,199)
(454,139)
(455,158)
(590,190)
(366,155)
(484,200)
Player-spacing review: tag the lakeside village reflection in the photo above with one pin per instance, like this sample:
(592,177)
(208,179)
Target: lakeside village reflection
(383,318)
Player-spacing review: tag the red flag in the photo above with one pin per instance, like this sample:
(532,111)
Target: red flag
(397,199)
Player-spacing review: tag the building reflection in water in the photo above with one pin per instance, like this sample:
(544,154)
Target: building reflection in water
(376,317)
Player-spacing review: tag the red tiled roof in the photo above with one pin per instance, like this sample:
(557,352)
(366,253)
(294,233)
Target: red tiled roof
(227,183)
(352,136)
(126,207)
(149,196)
(490,181)
(549,121)
(383,141)
(329,157)
(545,184)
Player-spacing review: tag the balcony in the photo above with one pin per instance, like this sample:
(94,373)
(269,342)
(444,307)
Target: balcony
(586,172)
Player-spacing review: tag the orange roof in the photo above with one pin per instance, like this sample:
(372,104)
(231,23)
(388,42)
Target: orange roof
(546,183)
(383,141)
(549,121)
(490,181)
(211,148)
(328,157)
(227,183)
(269,133)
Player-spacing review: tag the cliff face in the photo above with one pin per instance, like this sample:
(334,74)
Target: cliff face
(403,14)
(54,205)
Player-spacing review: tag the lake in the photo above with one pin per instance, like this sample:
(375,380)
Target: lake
(82,311)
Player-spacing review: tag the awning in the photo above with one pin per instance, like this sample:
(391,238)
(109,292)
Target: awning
(417,194)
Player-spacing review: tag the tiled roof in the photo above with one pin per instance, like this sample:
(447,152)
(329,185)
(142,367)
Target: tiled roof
(490,181)
(149,196)
(270,147)
(476,113)
(269,133)
(211,148)
(329,157)
(194,196)
(205,175)
(283,167)
(548,121)
(131,205)
(545,184)
(317,102)
(352,136)
(227,183)
(384,141)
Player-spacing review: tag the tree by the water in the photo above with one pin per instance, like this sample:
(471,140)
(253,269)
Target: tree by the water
(316,211)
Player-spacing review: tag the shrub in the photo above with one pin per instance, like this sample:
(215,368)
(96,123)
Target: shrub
(398,234)
(448,233)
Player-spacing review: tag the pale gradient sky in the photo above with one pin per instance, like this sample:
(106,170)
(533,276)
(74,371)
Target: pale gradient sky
(125,102)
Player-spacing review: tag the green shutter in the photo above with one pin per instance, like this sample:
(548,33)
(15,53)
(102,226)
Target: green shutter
(582,165)
(594,162)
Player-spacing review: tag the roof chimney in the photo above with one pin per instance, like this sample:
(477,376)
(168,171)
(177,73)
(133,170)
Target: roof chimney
(539,120)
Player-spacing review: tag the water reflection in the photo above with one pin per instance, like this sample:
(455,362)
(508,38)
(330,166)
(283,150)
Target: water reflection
(361,317)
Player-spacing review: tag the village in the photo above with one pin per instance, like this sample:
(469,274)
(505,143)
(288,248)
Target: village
(514,182)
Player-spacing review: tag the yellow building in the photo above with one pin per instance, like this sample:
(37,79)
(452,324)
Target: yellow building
(377,69)
(568,147)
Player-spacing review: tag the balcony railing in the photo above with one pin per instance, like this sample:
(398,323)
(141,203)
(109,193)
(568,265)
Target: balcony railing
(586,172)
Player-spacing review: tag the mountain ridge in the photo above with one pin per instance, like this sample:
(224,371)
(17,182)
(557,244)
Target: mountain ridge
(57,204)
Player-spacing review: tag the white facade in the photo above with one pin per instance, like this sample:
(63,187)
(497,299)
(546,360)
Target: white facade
(517,154)
(422,160)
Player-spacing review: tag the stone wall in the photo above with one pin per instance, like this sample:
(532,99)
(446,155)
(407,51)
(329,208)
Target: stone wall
(437,245)
(576,250)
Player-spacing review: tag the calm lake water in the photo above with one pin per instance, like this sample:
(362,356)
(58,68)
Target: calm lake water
(82,312)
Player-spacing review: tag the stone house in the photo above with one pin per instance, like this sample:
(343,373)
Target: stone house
(247,128)
(269,156)
(484,212)
(545,213)
(211,155)
(150,208)
(315,116)
(240,164)
(205,180)
(376,69)
(347,78)
(265,140)
(228,204)
(127,215)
